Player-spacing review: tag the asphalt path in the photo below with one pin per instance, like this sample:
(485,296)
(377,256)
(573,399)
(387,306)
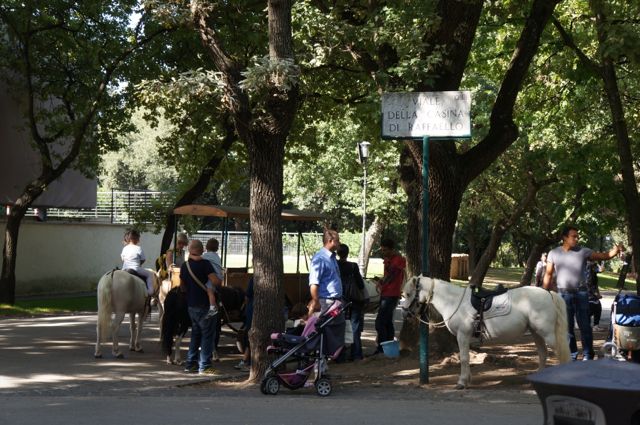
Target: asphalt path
(48,375)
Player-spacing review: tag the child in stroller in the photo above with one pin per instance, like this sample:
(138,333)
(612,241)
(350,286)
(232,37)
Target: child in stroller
(625,326)
(319,342)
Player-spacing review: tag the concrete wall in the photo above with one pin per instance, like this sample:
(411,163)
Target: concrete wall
(56,258)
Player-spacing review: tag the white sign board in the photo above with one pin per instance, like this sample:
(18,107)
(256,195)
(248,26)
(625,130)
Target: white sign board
(413,115)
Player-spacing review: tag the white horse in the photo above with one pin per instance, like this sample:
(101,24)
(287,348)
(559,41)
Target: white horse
(530,308)
(120,292)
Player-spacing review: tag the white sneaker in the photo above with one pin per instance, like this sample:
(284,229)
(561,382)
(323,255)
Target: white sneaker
(214,356)
(597,328)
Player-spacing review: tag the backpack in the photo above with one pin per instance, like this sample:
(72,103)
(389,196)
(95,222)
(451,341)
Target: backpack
(350,288)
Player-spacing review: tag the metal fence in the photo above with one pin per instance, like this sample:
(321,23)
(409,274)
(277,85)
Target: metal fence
(239,243)
(116,206)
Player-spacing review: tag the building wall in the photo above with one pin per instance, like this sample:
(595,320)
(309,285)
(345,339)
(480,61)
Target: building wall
(58,258)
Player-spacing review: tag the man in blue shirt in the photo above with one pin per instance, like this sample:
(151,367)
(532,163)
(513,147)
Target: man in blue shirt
(325,284)
(324,274)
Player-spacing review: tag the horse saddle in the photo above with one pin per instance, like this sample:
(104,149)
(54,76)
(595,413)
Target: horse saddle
(135,273)
(482,299)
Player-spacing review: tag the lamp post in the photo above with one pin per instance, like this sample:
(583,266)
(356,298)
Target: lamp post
(363,155)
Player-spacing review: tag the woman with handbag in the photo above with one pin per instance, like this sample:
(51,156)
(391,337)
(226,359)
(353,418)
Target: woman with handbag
(352,291)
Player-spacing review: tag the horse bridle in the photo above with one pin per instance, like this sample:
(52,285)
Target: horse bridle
(425,305)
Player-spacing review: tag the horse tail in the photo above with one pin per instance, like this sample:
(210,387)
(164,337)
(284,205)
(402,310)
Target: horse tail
(562,343)
(169,321)
(105,308)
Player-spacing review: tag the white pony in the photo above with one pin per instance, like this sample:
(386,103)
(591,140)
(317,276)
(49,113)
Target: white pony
(530,308)
(120,292)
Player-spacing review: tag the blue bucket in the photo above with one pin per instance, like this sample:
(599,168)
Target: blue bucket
(391,348)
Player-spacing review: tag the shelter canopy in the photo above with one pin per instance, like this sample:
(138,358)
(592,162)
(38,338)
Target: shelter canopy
(242,212)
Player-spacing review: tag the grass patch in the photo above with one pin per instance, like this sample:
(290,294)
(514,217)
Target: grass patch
(49,306)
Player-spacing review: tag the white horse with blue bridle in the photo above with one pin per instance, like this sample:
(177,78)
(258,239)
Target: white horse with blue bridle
(519,310)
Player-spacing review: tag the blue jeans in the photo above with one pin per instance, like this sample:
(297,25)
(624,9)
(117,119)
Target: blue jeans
(578,307)
(384,320)
(202,336)
(357,326)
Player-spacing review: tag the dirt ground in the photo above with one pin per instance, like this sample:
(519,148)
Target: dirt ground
(493,367)
(501,367)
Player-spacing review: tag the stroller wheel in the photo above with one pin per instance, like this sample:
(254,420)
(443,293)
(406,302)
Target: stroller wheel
(270,385)
(323,387)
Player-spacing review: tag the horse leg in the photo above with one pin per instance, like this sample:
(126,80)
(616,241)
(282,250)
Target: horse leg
(136,329)
(115,326)
(542,350)
(98,352)
(138,344)
(177,356)
(160,315)
(465,370)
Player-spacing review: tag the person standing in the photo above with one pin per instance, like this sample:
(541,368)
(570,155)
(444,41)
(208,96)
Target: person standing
(180,252)
(569,261)
(540,268)
(352,281)
(325,285)
(390,287)
(203,311)
(595,307)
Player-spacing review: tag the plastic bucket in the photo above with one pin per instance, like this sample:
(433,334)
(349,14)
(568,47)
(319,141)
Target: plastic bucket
(391,348)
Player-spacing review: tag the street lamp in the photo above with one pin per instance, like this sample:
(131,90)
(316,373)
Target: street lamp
(363,155)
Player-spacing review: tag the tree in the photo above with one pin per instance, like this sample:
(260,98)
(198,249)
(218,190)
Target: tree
(617,43)
(64,62)
(261,98)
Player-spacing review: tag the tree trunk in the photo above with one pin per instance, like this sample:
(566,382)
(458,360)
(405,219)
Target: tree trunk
(266,159)
(372,237)
(10,250)
(9,256)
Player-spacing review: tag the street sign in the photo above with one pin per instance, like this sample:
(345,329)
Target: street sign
(412,115)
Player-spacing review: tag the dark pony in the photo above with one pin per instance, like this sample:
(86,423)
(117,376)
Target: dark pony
(175,324)
(176,321)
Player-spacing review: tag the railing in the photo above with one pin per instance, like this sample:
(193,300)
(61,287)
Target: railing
(116,206)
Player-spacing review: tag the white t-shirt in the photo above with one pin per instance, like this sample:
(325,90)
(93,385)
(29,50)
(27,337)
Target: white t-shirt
(214,259)
(132,257)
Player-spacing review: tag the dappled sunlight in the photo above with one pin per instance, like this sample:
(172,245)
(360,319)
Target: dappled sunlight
(8,382)
(406,372)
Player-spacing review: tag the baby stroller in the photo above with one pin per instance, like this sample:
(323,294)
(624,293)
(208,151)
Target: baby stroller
(626,325)
(301,356)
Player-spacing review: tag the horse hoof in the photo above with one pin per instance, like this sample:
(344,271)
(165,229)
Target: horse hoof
(460,387)
(119,356)
(139,350)
(97,356)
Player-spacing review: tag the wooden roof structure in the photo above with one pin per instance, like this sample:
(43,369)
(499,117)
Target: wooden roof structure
(242,212)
